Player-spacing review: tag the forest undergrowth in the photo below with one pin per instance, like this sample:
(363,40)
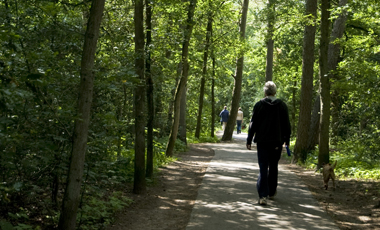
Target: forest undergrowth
(105,191)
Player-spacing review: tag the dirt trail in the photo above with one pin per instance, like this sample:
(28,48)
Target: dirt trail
(168,204)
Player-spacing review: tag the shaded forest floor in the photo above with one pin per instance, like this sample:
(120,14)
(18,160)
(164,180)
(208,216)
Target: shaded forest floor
(353,205)
(168,204)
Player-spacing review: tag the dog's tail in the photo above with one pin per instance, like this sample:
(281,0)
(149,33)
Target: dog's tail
(334,165)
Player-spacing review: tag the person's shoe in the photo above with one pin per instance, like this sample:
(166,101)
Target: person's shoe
(263,201)
(272,197)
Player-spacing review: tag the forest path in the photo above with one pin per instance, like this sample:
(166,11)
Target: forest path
(228,199)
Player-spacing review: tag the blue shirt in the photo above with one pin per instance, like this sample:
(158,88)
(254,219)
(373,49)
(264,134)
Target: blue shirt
(224,115)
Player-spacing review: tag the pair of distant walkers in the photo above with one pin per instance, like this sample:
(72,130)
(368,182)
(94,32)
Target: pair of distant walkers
(224,115)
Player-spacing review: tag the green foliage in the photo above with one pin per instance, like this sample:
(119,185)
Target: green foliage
(159,147)
(358,158)
(6,225)
(20,218)
(354,160)
(311,160)
(40,53)
(203,138)
(180,146)
(99,209)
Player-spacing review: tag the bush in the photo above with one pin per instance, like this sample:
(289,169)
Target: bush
(98,210)
(355,160)
(203,138)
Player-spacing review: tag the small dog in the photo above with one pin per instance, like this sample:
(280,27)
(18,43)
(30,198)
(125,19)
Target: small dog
(328,172)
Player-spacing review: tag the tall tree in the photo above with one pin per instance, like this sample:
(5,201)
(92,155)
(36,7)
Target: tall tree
(314,125)
(213,95)
(139,185)
(149,92)
(269,40)
(300,149)
(332,49)
(238,78)
(71,198)
(203,78)
(181,134)
(339,27)
(181,86)
(294,105)
(324,88)
(182,117)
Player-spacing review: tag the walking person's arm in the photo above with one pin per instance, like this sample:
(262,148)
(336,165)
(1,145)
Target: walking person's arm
(286,125)
(252,127)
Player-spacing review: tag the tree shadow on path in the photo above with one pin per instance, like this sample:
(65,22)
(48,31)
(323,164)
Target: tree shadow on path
(227,198)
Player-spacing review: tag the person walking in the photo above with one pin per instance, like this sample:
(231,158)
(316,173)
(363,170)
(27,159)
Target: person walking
(224,117)
(239,120)
(270,126)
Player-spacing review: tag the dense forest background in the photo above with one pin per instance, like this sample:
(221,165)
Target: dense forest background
(165,69)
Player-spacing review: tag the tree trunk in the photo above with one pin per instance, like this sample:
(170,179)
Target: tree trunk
(183,79)
(300,149)
(159,119)
(182,110)
(324,88)
(171,102)
(238,80)
(200,107)
(294,105)
(149,93)
(213,96)
(182,117)
(71,198)
(270,42)
(203,79)
(314,125)
(334,50)
(139,185)
(169,122)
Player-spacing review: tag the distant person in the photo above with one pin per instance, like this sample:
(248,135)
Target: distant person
(239,120)
(271,127)
(224,117)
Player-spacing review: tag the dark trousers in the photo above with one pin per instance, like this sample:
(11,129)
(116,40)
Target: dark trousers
(268,157)
(238,126)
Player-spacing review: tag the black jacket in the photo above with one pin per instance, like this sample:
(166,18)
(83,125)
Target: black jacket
(269,123)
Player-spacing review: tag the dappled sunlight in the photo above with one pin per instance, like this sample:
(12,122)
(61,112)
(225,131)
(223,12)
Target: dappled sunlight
(197,158)
(316,208)
(228,178)
(228,198)
(181,201)
(233,164)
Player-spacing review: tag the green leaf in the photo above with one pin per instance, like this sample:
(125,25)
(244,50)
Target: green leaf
(5,225)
